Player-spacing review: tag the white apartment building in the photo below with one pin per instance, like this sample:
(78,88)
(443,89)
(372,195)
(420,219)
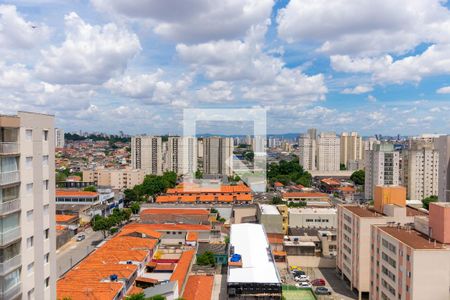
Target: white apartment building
(312,217)
(146,154)
(307,155)
(218,155)
(443,147)
(59,138)
(117,179)
(420,168)
(381,168)
(27,193)
(328,152)
(352,149)
(182,155)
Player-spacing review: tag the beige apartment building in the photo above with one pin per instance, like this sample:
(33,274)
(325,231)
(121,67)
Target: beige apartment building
(352,149)
(307,155)
(381,168)
(443,147)
(115,178)
(181,155)
(328,151)
(218,156)
(354,240)
(420,168)
(146,154)
(27,193)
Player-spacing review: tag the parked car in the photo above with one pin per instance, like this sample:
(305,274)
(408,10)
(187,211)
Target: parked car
(303,285)
(301,278)
(318,282)
(322,291)
(80,237)
(298,273)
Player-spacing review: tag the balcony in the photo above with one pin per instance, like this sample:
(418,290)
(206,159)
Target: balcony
(9,148)
(10,264)
(9,206)
(11,293)
(9,236)
(9,177)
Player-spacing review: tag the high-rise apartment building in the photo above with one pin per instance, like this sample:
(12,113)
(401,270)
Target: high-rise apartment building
(420,168)
(27,193)
(381,168)
(59,138)
(218,155)
(115,178)
(328,151)
(352,149)
(307,149)
(443,147)
(182,155)
(146,154)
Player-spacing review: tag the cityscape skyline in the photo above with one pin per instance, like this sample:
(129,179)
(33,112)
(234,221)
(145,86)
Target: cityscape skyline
(143,66)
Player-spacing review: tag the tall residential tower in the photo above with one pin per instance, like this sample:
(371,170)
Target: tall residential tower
(146,154)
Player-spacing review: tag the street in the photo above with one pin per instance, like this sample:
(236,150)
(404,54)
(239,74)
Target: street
(72,252)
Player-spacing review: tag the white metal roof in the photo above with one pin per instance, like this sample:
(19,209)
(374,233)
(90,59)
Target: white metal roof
(250,241)
(267,209)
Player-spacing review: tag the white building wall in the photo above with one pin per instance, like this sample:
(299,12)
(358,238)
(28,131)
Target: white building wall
(328,152)
(146,154)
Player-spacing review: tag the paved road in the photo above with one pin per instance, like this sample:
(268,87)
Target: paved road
(72,252)
(339,287)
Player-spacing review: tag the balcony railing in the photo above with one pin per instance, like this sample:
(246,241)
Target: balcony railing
(9,148)
(9,236)
(12,292)
(9,177)
(10,264)
(9,206)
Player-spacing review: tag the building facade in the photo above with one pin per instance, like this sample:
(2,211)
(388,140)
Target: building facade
(352,149)
(59,138)
(328,152)
(381,168)
(443,147)
(307,155)
(218,156)
(146,154)
(117,179)
(182,155)
(27,185)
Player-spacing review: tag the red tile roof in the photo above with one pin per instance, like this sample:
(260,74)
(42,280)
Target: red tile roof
(199,287)
(175,211)
(69,193)
(192,236)
(64,218)
(182,268)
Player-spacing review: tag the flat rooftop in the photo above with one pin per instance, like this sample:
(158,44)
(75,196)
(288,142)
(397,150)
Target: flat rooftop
(250,241)
(362,211)
(267,209)
(412,238)
(310,210)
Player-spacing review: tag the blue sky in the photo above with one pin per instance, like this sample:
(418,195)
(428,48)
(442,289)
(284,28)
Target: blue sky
(108,65)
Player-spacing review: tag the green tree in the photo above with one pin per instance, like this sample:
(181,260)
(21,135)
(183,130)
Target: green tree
(206,259)
(426,202)
(358,177)
(249,155)
(130,196)
(140,296)
(90,188)
(198,174)
(277,200)
(342,167)
(135,207)
(156,297)
(102,224)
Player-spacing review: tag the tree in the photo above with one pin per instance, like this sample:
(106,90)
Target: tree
(358,177)
(140,296)
(198,174)
(426,202)
(206,259)
(249,155)
(102,224)
(135,207)
(342,167)
(277,200)
(90,188)
(130,196)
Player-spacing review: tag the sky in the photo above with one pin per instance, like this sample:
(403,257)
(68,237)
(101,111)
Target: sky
(371,66)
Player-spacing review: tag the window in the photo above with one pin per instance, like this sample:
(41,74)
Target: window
(29,188)
(29,162)
(45,184)
(46,258)
(29,134)
(11,279)
(30,268)
(47,282)
(45,135)
(45,160)
(46,231)
(30,294)
(30,215)
(46,206)
(30,241)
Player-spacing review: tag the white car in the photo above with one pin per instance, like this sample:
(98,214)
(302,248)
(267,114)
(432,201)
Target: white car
(304,285)
(302,278)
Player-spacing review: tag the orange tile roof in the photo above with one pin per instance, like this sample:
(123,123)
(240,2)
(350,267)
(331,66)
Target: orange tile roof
(193,188)
(92,291)
(147,280)
(188,198)
(279,253)
(64,218)
(207,198)
(182,268)
(412,238)
(192,236)
(225,198)
(60,227)
(305,195)
(199,287)
(278,184)
(140,228)
(174,211)
(245,197)
(346,189)
(183,227)
(362,211)
(166,199)
(135,290)
(69,193)
(165,267)
(331,181)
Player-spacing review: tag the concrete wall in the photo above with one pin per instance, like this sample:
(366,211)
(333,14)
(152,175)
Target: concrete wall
(312,261)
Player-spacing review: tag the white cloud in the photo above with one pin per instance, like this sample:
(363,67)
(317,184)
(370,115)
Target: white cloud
(193,20)
(217,91)
(89,54)
(13,76)
(364,26)
(371,98)
(16,32)
(359,89)
(443,90)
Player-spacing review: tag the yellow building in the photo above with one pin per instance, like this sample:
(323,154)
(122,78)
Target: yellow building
(393,194)
(283,209)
